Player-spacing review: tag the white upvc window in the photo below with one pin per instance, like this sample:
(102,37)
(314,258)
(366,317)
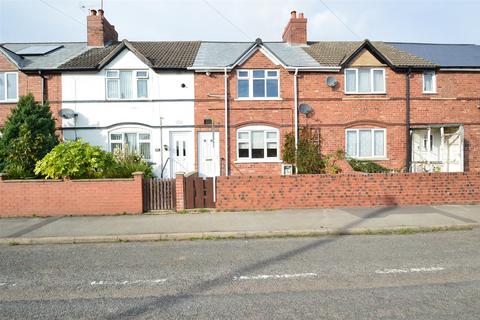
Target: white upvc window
(8,86)
(365,143)
(429,82)
(258,84)
(257,144)
(126,84)
(137,142)
(365,81)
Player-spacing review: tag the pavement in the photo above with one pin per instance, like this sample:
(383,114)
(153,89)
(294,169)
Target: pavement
(218,225)
(422,276)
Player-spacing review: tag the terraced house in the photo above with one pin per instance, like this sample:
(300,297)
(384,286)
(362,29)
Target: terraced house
(223,108)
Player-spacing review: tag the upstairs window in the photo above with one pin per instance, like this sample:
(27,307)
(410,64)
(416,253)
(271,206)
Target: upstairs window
(134,142)
(8,86)
(126,84)
(429,82)
(257,84)
(257,143)
(365,143)
(364,81)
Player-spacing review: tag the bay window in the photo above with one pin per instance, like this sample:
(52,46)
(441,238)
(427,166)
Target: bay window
(365,143)
(8,86)
(257,84)
(122,84)
(365,80)
(257,143)
(132,142)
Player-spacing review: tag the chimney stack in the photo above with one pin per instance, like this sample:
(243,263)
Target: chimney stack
(99,31)
(296,30)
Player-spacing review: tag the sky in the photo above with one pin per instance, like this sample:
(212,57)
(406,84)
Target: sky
(439,21)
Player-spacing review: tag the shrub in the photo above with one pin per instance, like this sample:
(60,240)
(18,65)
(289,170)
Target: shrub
(126,163)
(75,159)
(28,135)
(307,158)
(367,166)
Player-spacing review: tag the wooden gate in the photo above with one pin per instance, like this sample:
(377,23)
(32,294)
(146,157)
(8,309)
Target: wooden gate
(158,194)
(198,192)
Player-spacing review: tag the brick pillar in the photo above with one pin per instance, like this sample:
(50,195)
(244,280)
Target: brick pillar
(180,191)
(138,179)
(3,176)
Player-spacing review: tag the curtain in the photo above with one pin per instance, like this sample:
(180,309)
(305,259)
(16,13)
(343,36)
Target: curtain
(125,84)
(112,89)
(11,86)
(351,143)
(365,145)
(378,81)
(142,91)
(258,144)
(351,81)
(427,82)
(131,141)
(364,80)
(379,137)
(2,86)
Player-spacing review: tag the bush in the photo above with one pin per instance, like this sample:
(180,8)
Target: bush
(76,160)
(307,158)
(367,166)
(126,163)
(28,135)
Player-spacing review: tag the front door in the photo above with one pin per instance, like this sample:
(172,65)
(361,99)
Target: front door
(208,154)
(180,150)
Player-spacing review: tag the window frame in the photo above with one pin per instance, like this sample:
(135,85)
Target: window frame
(255,128)
(373,156)
(372,71)
(434,82)
(134,86)
(123,132)
(250,79)
(5,89)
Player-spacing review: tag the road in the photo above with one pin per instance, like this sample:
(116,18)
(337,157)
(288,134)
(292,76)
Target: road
(420,276)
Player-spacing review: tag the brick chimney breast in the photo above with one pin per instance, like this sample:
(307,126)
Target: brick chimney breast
(296,30)
(99,31)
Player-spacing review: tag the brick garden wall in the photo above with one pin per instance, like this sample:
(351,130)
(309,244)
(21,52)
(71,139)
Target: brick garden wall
(71,197)
(346,190)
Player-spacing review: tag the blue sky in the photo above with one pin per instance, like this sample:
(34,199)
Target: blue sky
(445,21)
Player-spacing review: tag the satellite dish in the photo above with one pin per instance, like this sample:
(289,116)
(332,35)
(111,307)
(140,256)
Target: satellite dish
(331,81)
(305,108)
(67,113)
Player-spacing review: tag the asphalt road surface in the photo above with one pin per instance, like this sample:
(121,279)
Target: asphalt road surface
(421,276)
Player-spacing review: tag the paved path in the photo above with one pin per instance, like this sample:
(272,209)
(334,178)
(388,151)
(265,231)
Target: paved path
(234,224)
(434,276)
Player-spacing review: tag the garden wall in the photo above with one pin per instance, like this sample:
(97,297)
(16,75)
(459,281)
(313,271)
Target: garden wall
(71,197)
(346,190)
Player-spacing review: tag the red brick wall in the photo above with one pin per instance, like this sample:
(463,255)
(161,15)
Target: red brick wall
(71,197)
(346,190)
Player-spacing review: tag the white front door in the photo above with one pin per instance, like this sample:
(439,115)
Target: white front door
(180,150)
(208,154)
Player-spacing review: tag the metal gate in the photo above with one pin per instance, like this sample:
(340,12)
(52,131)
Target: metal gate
(158,194)
(198,192)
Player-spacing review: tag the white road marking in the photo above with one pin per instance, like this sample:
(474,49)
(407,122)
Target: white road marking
(126,282)
(410,270)
(275,276)
(6,284)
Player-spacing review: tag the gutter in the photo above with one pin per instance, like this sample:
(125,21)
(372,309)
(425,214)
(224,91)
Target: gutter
(407,121)
(289,68)
(42,86)
(226,123)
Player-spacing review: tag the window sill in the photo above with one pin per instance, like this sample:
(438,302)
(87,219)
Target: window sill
(259,161)
(257,99)
(365,93)
(371,159)
(430,93)
(8,101)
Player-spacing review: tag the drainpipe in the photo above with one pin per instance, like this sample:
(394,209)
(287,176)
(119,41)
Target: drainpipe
(42,85)
(226,123)
(407,120)
(295,106)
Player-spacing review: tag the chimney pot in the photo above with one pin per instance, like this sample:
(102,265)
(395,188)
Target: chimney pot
(101,12)
(293,14)
(300,15)
(93,12)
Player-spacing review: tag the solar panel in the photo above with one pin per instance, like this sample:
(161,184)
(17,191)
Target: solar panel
(38,50)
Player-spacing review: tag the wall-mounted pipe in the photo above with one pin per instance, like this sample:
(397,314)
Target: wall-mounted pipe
(226,123)
(408,159)
(295,106)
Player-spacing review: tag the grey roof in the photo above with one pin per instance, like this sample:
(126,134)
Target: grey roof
(49,61)
(336,53)
(444,55)
(225,54)
(158,54)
